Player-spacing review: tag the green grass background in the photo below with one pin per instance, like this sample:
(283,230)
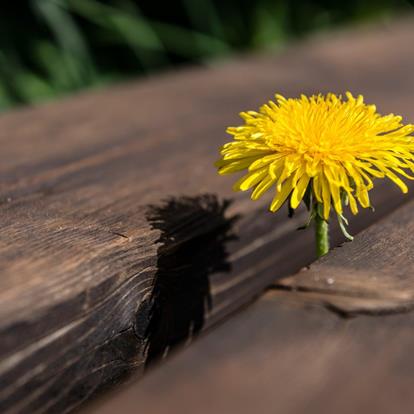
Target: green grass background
(49,48)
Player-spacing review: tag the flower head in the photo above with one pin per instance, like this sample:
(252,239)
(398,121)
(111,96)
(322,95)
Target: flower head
(325,145)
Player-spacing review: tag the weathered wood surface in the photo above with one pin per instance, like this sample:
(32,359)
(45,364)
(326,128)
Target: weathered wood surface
(290,353)
(104,212)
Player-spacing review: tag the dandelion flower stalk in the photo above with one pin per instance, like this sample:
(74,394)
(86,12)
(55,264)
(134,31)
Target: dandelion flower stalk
(321,236)
(324,150)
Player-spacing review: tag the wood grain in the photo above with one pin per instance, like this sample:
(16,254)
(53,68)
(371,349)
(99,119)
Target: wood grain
(289,353)
(109,199)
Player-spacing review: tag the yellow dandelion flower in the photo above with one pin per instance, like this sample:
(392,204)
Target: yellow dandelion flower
(327,146)
(334,145)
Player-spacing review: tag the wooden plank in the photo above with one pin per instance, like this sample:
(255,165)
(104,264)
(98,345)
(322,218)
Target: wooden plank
(373,276)
(104,200)
(289,353)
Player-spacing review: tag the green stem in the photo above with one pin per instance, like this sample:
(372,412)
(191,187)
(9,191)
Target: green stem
(321,235)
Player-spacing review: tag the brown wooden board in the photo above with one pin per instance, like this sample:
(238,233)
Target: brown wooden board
(289,353)
(116,231)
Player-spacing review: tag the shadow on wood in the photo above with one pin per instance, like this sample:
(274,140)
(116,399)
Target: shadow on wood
(194,234)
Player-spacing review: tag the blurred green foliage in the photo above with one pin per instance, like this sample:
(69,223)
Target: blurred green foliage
(49,48)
